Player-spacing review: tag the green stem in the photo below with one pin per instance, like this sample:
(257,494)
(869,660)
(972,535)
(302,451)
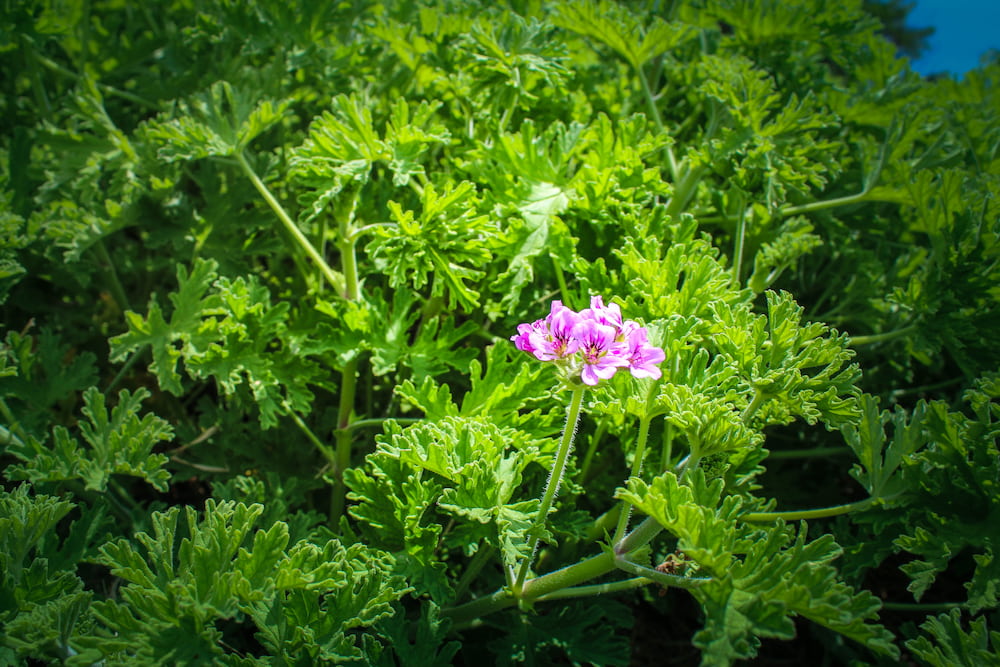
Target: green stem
(588,458)
(684,190)
(342,458)
(465,615)
(654,112)
(923,607)
(7,438)
(13,426)
(476,565)
(741,230)
(640,453)
(753,406)
(555,479)
(765,517)
(331,276)
(807,453)
(602,525)
(126,367)
(658,577)
(367,229)
(378,421)
(815,206)
(883,337)
(114,283)
(668,446)
(349,378)
(561,279)
(325,450)
(596,589)
(689,464)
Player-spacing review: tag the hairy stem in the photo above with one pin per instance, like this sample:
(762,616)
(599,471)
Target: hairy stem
(596,589)
(349,378)
(640,453)
(555,479)
(836,510)
(465,615)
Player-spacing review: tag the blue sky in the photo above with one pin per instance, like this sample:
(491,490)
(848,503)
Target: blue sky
(964,29)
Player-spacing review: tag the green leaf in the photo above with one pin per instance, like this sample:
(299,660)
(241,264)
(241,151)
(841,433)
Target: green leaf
(43,372)
(26,521)
(760,577)
(428,645)
(795,368)
(120,443)
(614,26)
(586,633)
(945,642)
(47,631)
(220,122)
(880,461)
(229,330)
(189,302)
(189,576)
(448,239)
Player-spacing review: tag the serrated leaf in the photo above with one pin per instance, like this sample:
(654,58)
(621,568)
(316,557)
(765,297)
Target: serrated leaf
(222,121)
(880,461)
(946,643)
(119,443)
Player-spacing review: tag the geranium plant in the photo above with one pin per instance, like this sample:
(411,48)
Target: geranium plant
(421,333)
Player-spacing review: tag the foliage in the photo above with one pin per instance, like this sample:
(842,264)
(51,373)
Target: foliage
(262,269)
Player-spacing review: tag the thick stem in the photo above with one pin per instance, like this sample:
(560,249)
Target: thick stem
(836,510)
(668,446)
(573,575)
(596,589)
(883,337)
(555,479)
(342,457)
(815,206)
(476,565)
(331,276)
(753,406)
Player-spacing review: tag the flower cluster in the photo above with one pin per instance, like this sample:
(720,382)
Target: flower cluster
(594,342)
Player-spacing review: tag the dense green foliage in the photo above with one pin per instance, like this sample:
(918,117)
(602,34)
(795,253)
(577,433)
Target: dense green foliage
(260,266)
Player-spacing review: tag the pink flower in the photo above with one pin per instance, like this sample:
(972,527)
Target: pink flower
(602,356)
(610,315)
(550,338)
(590,345)
(642,358)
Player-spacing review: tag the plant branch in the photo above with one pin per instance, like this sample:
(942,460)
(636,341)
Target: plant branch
(640,453)
(885,336)
(335,280)
(765,517)
(555,479)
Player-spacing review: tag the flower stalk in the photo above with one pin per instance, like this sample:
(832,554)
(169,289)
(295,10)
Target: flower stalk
(554,481)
